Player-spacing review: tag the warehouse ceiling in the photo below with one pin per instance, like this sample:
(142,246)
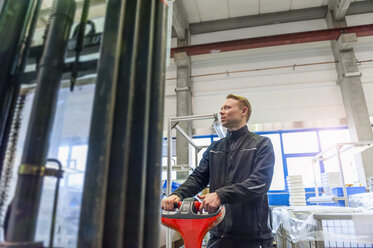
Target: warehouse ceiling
(208,10)
(203,16)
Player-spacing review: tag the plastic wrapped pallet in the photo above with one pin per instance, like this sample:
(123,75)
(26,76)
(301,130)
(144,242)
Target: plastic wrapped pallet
(312,226)
(364,200)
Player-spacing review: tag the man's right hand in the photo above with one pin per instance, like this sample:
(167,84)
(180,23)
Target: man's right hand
(168,203)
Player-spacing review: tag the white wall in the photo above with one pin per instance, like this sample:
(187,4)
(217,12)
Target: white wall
(302,93)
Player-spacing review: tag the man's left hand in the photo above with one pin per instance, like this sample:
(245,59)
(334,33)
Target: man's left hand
(210,202)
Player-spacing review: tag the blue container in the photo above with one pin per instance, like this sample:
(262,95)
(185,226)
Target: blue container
(339,192)
(279,199)
(174,186)
(350,191)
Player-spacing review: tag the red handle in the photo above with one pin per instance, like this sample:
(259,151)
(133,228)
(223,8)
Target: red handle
(197,204)
(191,225)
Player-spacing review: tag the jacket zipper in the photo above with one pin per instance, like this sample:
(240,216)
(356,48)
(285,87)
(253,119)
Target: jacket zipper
(258,219)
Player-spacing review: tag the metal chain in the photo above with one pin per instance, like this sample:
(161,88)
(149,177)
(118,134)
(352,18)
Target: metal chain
(8,169)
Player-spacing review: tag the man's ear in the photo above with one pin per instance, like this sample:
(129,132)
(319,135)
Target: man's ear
(244,111)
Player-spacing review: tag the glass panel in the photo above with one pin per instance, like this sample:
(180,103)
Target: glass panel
(329,138)
(348,166)
(300,142)
(164,169)
(303,166)
(75,180)
(199,142)
(331,165)
(202,141)
(63,154)
(165,149)
(69,144)
(278,181)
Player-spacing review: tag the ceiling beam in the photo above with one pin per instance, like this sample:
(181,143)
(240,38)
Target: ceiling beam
(355,8)
(179,20)
(339,8)
(92,43)
(274,40)
(89,67)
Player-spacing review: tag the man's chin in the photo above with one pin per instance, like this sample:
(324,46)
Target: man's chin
(225,124)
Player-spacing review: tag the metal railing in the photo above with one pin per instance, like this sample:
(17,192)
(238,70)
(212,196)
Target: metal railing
(332,152)
(173,124)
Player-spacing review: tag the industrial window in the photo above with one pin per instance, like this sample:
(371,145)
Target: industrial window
(74,157)
(69,145)
(329,138)
(278,180)
(303,166)
(300,142)
(199,142)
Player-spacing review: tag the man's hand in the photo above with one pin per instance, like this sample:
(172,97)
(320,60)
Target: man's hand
(210,202)
(169,202)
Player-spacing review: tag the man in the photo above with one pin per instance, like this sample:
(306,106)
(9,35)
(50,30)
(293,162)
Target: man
(239,169)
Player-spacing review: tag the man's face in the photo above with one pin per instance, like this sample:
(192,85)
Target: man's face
(232,115)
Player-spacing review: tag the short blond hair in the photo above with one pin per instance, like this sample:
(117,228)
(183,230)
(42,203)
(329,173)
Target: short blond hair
(243,103)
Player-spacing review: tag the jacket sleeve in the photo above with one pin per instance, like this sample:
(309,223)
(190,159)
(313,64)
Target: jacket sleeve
(198,180)
(258,183)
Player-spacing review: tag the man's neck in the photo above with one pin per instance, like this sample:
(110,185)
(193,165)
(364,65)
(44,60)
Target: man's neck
(237,127)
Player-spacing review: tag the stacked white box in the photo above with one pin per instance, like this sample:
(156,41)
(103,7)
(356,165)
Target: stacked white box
(297,194)
(330,180)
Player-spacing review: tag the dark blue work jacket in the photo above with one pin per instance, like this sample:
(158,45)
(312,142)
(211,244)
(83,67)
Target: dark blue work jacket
(239,168)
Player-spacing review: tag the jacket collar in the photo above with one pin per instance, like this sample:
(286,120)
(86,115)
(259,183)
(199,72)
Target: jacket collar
(235,134)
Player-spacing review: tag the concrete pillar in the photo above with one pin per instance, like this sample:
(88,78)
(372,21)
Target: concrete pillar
(183,104)
(349,80)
